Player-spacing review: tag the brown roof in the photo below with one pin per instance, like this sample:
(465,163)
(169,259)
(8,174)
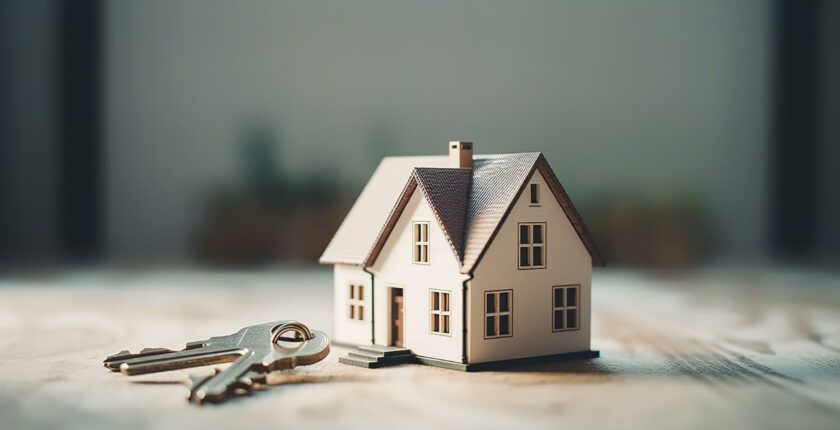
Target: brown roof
(447,191)
(470,205)
(497,181)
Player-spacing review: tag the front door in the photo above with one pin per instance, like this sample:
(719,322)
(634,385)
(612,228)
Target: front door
(397,316)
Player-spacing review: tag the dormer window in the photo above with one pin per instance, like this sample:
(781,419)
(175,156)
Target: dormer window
(535,194)
(420,240)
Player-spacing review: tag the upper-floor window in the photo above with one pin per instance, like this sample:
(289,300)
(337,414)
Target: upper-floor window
(565,307)
(357,302)
(420,241)
(439,313)
(532,245)
(497,313)
(535,194)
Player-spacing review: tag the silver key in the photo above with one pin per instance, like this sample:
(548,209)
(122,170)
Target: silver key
(254,351)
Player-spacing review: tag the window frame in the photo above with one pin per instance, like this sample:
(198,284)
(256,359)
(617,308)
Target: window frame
(534,191)
(531,245)
(498,313)
(356,302)
(565,307)
(421,243)
(440,312)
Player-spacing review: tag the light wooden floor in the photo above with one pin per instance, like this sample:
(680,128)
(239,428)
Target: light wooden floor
(726,349)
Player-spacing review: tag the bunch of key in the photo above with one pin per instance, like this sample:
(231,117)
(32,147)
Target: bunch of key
(254,352)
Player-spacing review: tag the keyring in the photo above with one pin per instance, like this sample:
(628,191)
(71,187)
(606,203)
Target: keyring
(300,329)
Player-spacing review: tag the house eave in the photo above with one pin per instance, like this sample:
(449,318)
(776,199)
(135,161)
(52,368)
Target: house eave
(334,261)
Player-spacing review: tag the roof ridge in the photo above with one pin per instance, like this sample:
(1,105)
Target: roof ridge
(507,154)
(438,168)
(405,157)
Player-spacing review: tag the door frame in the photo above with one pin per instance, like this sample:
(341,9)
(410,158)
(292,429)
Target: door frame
(391,290)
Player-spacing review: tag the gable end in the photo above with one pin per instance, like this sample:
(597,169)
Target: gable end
(392,221)
(565,203)
(446,192)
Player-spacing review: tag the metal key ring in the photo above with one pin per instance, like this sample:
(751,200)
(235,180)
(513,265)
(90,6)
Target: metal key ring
(299,328)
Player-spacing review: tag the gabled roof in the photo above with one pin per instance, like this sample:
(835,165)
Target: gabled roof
(447,191)
(354,239)
(497,181)
(470,205)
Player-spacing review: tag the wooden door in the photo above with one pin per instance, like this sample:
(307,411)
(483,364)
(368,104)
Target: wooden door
(397,317)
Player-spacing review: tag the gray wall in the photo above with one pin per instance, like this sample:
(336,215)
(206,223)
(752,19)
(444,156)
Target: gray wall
(662,96)
(829,193)
(27,129)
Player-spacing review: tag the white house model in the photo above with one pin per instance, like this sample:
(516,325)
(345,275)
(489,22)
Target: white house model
(464,261)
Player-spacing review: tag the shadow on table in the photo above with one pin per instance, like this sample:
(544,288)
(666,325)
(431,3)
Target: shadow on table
(722,366)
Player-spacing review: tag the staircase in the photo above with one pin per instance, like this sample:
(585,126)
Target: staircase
(374,356)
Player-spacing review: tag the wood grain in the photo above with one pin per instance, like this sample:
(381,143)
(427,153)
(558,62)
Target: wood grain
(728,349)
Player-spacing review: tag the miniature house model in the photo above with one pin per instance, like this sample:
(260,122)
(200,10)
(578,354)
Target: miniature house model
(464,260)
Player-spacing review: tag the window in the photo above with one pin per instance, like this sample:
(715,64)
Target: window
(439,312)
(565,307)
(497,314)
(532,245)
(421,242)
(357,302)
(535,194)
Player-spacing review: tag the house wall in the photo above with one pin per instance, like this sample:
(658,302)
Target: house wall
(348,330)
(567,262)
(394,267)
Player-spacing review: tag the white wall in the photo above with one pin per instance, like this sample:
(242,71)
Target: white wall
(348,330)
(394,267)
(567,262)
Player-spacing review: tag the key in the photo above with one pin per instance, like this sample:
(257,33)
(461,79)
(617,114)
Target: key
(254,351)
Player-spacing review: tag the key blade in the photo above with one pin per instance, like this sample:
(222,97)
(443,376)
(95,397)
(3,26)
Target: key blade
(180,360)
(215,350)
(193,381)
(113,362)
(217,387)
(246,384)
(255,379)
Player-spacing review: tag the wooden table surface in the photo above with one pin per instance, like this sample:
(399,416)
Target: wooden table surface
(716,348)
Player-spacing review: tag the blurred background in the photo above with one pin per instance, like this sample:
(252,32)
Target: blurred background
(238,134)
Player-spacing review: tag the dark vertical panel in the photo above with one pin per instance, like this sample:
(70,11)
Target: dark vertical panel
(79,152)
(830,132)
(795,147)
(4,101)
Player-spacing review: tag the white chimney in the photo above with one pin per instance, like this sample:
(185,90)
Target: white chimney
(461,155)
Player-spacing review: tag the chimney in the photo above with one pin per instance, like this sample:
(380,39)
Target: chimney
(461,155)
